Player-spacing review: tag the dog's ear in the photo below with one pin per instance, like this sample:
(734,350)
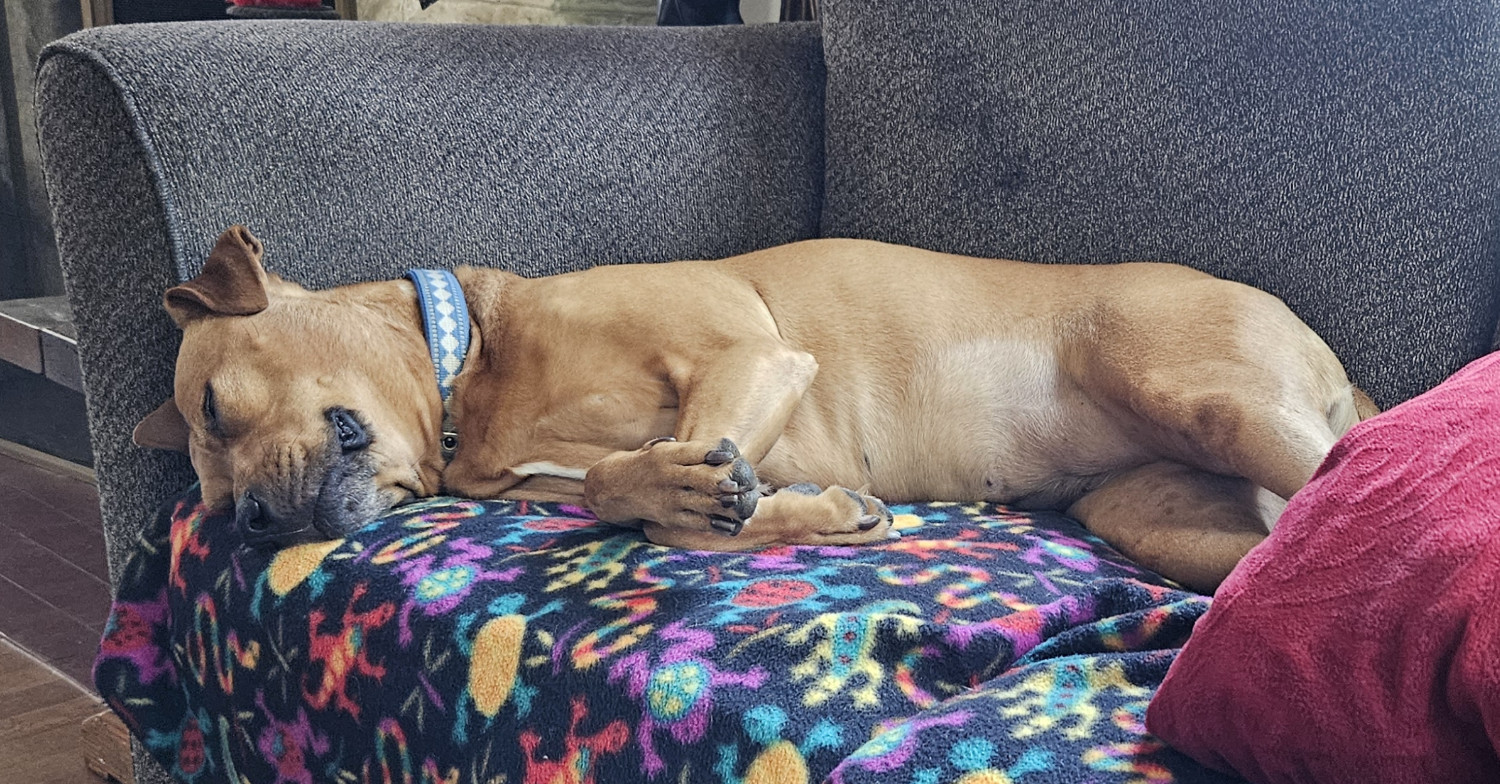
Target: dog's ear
(233,283)
(163,428)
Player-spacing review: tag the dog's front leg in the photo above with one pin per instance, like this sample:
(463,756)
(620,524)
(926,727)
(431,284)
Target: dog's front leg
(731,410)
(700,490)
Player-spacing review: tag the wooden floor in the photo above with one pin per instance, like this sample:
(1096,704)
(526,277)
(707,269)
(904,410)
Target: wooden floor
(54,598)
(41,721)
(54,583)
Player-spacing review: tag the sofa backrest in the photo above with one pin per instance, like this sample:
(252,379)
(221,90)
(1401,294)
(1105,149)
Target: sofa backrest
(358,150)
(1344,156)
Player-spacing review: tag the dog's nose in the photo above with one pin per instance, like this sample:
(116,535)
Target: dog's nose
(256,520)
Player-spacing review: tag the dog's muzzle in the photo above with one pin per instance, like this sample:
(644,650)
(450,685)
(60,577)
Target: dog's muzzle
(345,498)
(256,520)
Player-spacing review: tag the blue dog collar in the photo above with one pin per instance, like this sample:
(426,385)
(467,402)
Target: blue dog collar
(445,321)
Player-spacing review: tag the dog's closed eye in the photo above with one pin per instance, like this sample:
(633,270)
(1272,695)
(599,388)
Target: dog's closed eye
(211,412)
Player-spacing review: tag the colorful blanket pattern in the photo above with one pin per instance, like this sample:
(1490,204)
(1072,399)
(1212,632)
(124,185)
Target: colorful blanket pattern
(458,641)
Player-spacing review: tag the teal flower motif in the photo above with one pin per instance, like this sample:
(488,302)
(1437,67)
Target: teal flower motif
(444,583)
(675,688)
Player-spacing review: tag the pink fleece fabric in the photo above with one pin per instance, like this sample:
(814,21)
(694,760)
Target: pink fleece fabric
(1361,641)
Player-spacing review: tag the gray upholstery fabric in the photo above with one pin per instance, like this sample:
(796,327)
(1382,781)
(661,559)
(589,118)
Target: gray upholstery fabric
(1345,156)
(113,240)
(356,151)
(359,149)
(112,236)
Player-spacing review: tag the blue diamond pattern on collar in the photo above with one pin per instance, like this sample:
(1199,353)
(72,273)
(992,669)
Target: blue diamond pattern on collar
(445,319)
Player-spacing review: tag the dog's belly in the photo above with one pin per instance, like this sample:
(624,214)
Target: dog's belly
(990,418)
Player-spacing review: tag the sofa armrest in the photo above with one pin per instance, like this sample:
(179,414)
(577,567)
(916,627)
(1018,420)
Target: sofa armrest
(357,150)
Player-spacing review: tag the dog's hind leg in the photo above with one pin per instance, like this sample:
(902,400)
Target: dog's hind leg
(1188,525)
(1227,379)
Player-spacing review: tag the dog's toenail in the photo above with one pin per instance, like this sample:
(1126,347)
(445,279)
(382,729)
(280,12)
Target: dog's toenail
(729,485)
(731,527)
(723,453)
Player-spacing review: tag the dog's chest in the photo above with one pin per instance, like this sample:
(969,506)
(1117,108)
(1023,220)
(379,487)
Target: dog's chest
(539,427)
(613,417)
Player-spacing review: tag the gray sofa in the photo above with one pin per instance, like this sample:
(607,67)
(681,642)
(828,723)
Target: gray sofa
(1345,157)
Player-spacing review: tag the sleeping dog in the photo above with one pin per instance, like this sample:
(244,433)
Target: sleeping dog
(766,399)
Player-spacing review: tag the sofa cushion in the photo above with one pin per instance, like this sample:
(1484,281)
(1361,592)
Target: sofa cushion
(1345,157)
(1361,642)
(479,642)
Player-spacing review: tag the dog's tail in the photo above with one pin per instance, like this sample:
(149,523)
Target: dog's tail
(1363,405)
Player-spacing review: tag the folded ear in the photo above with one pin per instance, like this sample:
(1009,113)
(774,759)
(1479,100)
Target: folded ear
(163,428)
(233,282)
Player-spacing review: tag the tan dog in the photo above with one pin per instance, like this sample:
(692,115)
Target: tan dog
(1151,401)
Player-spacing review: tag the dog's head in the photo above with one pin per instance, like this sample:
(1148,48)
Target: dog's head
(309,412)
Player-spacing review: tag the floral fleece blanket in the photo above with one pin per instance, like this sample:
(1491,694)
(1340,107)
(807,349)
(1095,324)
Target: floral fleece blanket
(458,641)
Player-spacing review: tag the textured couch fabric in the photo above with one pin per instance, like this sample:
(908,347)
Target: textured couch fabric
(1344,156)
(358,150)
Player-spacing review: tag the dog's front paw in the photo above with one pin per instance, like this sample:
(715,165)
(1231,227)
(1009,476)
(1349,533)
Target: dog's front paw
(802,514)
(837,515)
(693,485)
(737,493)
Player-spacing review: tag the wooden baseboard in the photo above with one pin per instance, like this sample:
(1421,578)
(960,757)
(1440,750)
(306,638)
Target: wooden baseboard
(106,748)
(43,460)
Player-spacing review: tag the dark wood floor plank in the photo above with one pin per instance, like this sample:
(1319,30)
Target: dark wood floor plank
(54,598)
(54,590)
(54,580)
(47,632)
(41,721)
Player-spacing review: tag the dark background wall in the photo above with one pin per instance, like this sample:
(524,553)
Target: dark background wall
(28,256)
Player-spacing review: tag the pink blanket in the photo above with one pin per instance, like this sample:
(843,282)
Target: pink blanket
(1361,641)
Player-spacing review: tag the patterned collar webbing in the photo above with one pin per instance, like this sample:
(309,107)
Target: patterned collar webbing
(445,321)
